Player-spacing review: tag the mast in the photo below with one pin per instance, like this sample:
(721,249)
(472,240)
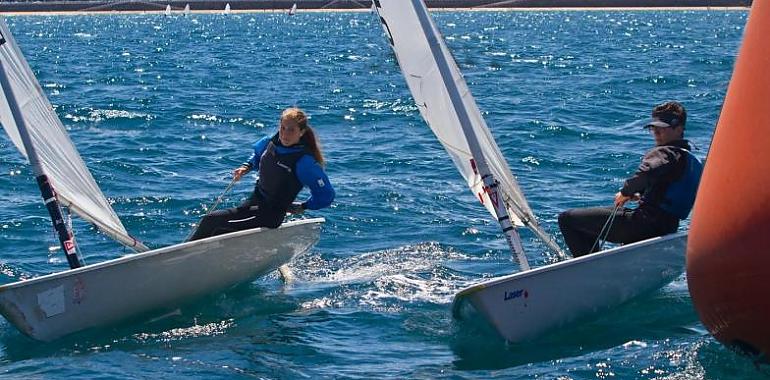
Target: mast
(63,230)
(479,161)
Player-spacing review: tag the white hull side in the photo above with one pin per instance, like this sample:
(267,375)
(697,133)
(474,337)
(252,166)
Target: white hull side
(58,304)
(529,304)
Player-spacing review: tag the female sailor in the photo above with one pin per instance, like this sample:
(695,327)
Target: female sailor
(287,162)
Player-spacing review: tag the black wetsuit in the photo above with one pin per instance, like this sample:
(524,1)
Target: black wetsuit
(660,168)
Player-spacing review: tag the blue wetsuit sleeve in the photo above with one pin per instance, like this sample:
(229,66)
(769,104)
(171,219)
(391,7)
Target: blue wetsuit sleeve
(310,174)
(259,148)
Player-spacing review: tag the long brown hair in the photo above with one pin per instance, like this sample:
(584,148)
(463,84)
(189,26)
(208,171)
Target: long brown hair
(308,136)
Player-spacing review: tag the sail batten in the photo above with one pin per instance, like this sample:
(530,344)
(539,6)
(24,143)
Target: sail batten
(59,159)
(457,123)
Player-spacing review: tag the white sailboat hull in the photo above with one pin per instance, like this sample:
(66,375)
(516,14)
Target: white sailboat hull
(51,306)
(529,304)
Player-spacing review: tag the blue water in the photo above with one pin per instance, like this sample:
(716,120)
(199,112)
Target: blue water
(162,109)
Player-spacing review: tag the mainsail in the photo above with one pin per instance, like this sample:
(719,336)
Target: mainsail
(416,40)
(74,184)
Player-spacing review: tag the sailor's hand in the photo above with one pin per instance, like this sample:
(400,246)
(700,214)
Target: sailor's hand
(621,199)
(296,208)
(239,172)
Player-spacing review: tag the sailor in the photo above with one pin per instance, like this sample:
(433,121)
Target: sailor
(287,162)
(664,185)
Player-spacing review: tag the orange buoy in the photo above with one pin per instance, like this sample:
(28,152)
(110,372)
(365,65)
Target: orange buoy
(728,250)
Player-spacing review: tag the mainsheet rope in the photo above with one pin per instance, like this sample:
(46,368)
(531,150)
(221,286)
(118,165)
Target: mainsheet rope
(605,230)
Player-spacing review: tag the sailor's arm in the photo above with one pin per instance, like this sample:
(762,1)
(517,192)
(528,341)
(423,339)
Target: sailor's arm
(310,174)
(253,161)
(655,164)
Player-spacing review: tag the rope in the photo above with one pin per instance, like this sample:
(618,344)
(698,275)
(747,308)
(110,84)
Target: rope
(214,206)
(605,230)
(227,190)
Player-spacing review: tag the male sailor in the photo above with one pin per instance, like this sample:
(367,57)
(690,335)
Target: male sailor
(664,185)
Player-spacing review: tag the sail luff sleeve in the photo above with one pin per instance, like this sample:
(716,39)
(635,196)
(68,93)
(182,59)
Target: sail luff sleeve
(59,158)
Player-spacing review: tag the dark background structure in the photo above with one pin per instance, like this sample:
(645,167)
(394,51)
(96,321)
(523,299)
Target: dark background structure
(212,5)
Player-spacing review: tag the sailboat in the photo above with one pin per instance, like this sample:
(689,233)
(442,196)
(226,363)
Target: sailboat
(293,10)
(532,302)
(167,12)
(227,8)
(86,296)
(186,10)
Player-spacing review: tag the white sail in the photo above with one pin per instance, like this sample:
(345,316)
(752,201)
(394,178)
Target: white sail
(293,9)
(429,89)
(186,10)
(227,8)
(167,12)
(60,161)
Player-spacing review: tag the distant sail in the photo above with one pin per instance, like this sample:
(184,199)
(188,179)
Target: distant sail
(227,8)
(186,9)
(411,46)
(293,10)
(66,171)
(168,10)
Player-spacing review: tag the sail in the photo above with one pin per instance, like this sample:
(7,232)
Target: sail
(60,161)
(429,90)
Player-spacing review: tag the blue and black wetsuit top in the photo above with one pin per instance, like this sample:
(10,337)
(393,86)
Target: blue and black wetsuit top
(667,179)
(284,171)
(680,194)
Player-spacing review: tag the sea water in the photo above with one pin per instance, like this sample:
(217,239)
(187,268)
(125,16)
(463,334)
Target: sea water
(163,108)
